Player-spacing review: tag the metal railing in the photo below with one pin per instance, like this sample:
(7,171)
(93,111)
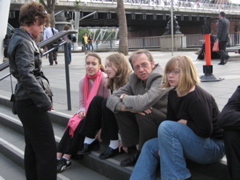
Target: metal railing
(42,44)
(153,42)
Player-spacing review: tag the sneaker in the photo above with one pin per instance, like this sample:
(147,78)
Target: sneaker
(63,164)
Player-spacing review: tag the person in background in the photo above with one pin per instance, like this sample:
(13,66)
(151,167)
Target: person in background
(91,85)
(229,120)
(90,42)
(101,119)
(222,37)
(190,130)
(69,44)
(33,94)
(85,42)
(139,106)
(48,33)
(236,29)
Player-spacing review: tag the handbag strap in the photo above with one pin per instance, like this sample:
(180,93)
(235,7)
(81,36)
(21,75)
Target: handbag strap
(11,83)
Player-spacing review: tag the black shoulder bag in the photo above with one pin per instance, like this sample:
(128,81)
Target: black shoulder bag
(14,110)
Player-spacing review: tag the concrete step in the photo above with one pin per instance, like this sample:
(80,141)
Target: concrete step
(12,147)
(109,168)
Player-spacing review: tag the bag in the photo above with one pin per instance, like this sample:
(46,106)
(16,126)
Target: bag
(57,42)
(44,83)
(70,36)
(215,46)
(14,110)
(74,39)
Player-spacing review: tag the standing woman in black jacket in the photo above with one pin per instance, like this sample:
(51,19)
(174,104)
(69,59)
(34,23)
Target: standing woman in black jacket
(33,94)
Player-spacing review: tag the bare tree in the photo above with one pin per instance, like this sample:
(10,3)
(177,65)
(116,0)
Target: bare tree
(123,33)
(50,7)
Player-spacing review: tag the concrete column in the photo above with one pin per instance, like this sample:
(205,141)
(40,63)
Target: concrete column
(76,24)
(4,13)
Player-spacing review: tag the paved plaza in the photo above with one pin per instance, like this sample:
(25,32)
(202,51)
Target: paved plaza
(221,90)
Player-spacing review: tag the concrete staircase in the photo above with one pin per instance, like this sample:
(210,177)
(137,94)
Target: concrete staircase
(90,167)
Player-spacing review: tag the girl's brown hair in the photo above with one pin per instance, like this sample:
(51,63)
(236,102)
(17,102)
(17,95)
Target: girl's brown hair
(188,73)
(123,71)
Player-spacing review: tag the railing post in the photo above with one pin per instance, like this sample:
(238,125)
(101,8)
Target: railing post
(67,76)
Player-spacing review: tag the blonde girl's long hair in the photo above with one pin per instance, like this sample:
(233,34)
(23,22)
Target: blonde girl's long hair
(123,71)
(188,73)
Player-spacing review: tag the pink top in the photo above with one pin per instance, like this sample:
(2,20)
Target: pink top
(103,91)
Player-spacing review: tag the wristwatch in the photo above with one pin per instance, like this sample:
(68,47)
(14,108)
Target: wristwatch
(122,96)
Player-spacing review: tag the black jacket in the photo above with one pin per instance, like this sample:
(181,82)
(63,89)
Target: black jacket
(223,29)
(25,65)
(229,118)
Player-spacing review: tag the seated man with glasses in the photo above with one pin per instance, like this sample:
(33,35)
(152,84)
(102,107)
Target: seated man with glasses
(141,105)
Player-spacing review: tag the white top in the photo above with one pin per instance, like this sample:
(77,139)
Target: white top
(48,32)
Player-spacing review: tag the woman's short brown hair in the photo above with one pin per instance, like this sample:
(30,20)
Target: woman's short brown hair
(29,12)
(188,73)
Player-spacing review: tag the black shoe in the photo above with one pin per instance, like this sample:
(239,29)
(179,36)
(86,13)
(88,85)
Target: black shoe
(225,60)
(87,148)
(63,164)
(108,153)
(221,63)
(131,161)
(56,62)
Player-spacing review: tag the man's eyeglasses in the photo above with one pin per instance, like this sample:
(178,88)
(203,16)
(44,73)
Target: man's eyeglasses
(143,65)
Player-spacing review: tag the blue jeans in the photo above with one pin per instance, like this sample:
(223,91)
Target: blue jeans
(176,142)
(90,46)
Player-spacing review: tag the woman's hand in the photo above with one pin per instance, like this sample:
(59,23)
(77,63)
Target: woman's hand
(82,114)
(98,135)
(183,121)
(52,108)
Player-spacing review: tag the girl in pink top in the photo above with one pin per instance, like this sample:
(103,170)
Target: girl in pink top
(92,84)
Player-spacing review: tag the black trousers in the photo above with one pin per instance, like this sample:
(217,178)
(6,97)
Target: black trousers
(40,150)
(99,116)
(52,56)
(137,129)
(222,51)
(70,145)
(232,148)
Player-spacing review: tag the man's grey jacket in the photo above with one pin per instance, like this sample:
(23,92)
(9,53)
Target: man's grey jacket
(141,95)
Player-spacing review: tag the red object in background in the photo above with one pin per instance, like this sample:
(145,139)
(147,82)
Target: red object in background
(208,49)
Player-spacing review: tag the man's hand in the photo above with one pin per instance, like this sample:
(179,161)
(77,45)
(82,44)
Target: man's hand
(147,111)
(120,148)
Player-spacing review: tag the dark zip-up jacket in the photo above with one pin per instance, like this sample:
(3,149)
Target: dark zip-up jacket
(26,66)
